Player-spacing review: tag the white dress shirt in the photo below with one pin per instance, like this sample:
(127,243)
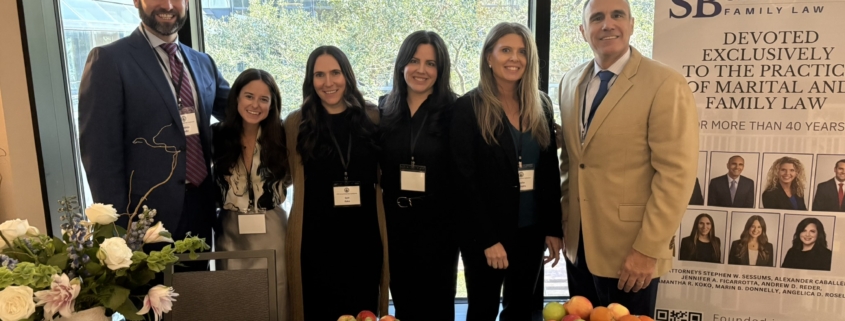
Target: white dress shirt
(155,43)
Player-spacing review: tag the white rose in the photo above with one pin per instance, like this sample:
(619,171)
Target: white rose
(153,234)
(17,303)
(13,229)
(101,214)
(115,254)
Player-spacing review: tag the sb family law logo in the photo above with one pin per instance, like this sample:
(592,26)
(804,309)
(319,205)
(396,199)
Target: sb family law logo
(712,8)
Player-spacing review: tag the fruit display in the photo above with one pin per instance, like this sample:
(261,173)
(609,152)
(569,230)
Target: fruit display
(579,308)
(367,316)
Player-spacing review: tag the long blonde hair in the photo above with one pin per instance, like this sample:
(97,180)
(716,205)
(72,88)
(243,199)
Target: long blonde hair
(488,108)
(773,179)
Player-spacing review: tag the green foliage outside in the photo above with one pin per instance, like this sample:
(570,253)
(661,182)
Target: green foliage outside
(277,36)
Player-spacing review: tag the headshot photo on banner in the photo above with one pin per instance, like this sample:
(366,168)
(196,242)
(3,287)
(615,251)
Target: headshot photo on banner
(762,239)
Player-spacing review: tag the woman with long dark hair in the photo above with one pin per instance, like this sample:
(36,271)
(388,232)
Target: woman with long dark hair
(250,167)
(809,249)
(752,247)
(337,264)
(508,179)
(702,244)
(416,164)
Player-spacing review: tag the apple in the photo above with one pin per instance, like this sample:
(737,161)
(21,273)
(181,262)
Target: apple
(553,311)
(388,318)
(366,316)
(579,305)
(572,317)
(618,310)
(346,318)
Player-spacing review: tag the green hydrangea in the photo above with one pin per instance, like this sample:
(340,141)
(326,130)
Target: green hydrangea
(192,244)
(6,277)
(158,260)
(34,276)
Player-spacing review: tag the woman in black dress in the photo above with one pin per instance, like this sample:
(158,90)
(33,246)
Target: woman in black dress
(702,244)
(336,230)
(416,164)
(809,247)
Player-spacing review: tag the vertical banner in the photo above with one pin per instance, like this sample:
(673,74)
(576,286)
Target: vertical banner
(762,237)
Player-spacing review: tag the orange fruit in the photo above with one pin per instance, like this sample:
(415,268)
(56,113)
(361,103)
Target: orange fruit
(602,314)
(629,318)
(645,318)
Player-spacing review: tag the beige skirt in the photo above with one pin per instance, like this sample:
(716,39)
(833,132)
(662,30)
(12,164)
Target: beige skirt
(274,239)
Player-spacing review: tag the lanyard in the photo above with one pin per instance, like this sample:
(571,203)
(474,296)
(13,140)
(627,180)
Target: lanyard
(344,161)
(584,121)
(177,86)
(413,139)
(519,141)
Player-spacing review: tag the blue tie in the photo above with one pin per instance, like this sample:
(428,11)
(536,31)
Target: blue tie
(605,77)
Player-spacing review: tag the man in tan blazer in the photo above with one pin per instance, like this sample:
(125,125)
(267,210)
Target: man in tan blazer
(628,169)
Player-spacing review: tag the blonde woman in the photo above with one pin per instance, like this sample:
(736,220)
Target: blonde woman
(785,185)
(502,140)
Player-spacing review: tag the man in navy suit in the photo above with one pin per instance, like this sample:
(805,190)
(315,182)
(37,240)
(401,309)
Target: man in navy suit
(732,189)
(148,85)
(831,193)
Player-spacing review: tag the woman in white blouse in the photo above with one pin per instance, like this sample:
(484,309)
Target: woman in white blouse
(250,168)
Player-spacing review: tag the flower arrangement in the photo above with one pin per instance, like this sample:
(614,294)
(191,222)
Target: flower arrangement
(95,264)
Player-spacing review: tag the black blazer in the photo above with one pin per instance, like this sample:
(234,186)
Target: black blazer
(697,198)
(719,192)
(827,197)
(688,251)
(816,259)
(777,199)
(487,181)
(736,260)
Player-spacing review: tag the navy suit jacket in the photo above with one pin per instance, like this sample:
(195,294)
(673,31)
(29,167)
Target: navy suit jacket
(827,197)
(719,192)
(124,95)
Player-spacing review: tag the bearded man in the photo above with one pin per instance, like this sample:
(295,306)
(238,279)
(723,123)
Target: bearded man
(148,85)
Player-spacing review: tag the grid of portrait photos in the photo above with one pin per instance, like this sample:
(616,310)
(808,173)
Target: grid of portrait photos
(764,209)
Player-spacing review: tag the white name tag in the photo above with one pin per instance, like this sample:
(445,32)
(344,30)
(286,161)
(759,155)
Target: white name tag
(189,123)
(252,224)
(526,178)
(347,194)
(412,178)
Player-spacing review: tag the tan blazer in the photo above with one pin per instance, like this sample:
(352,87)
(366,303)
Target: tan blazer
(631,179)
(295,220)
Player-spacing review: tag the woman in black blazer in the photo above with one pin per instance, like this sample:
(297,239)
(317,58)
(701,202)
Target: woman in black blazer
(508,181)
(702,244)
(809,247)
(785,185)
(752,247)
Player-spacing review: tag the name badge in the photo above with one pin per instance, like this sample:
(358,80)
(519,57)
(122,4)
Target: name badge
(412,178)
(526,178)
(251,224)
(347,194)
(189,123)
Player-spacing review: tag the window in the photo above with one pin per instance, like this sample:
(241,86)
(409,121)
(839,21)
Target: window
(279,36)
(87,24)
